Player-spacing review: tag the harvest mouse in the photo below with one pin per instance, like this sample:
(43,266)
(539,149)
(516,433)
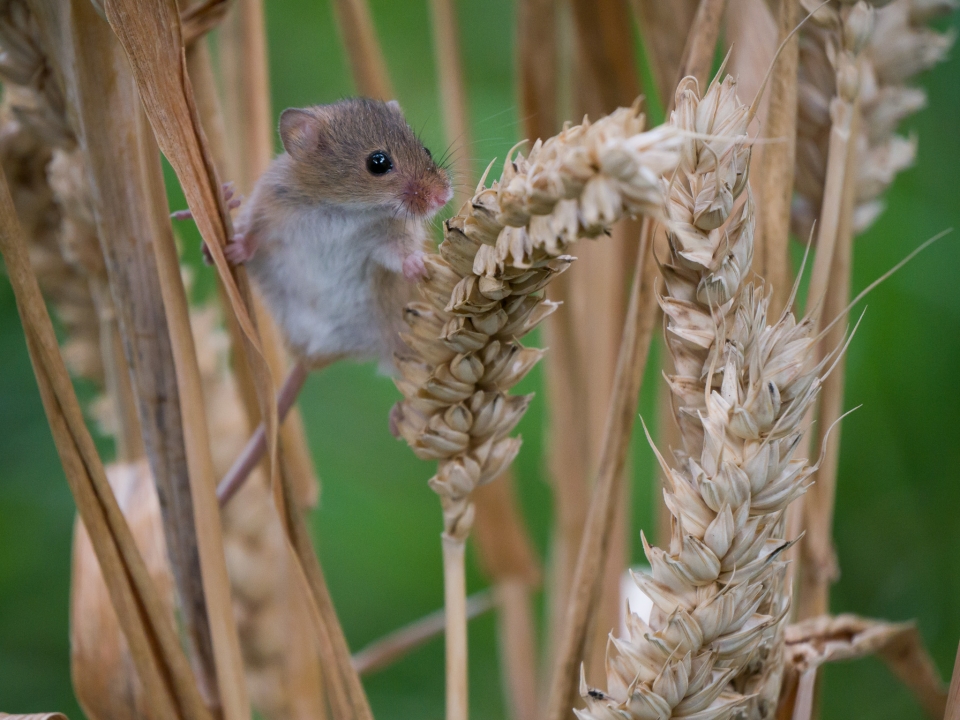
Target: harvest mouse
(334,235)
(334,231)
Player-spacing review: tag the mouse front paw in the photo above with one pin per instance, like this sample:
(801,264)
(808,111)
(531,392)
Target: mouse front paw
(241,248)
(238,251)
(414,269)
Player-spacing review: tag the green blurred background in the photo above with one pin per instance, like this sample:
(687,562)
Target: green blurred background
(897,525)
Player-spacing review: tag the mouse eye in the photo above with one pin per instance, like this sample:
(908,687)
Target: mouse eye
(379,163)
(427,151)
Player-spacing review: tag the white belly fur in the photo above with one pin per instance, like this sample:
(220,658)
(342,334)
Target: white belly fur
(315,271)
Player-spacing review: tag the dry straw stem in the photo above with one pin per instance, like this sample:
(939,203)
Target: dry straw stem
(163,668)
(711,648)
(34,716)
(250,132)
(387,650)
(664,28)
(774,162)
(824,639)
(508,558)
(104,677)
(453,90)
(851,32)
(152,41)
(537,67)
(585,337)
(360,40)
(818,563)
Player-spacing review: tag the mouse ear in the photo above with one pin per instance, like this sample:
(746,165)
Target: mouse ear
(395,105)
(299,131)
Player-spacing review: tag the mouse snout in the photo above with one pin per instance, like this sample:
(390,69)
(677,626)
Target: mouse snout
(425,198)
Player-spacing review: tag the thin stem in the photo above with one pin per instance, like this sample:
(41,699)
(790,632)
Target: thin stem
(638,329)
(363,50)
(507,556)
(841,135)
(818,567)
(518,647)
(456,118)
(775,189)
(387,650)
(257,444)
(455,607)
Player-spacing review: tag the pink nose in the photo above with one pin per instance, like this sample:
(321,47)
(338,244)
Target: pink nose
(421,199)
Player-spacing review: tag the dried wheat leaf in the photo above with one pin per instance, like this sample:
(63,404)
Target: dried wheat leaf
(34,716)
(104,678)
(202,17)
(820,640)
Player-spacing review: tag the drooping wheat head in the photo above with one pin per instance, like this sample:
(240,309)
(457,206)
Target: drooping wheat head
(482,293)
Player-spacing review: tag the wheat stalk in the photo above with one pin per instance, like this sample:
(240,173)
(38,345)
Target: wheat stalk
(741,387)
(853,73)
(48,32)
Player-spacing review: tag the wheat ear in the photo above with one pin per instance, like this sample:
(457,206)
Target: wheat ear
(900,47)
(711,647)
(482,294)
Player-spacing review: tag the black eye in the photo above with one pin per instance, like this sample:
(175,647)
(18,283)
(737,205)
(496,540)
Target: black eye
(427,151)
(379,163)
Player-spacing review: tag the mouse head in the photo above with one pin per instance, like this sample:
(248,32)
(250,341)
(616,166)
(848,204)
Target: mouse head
(361,152)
